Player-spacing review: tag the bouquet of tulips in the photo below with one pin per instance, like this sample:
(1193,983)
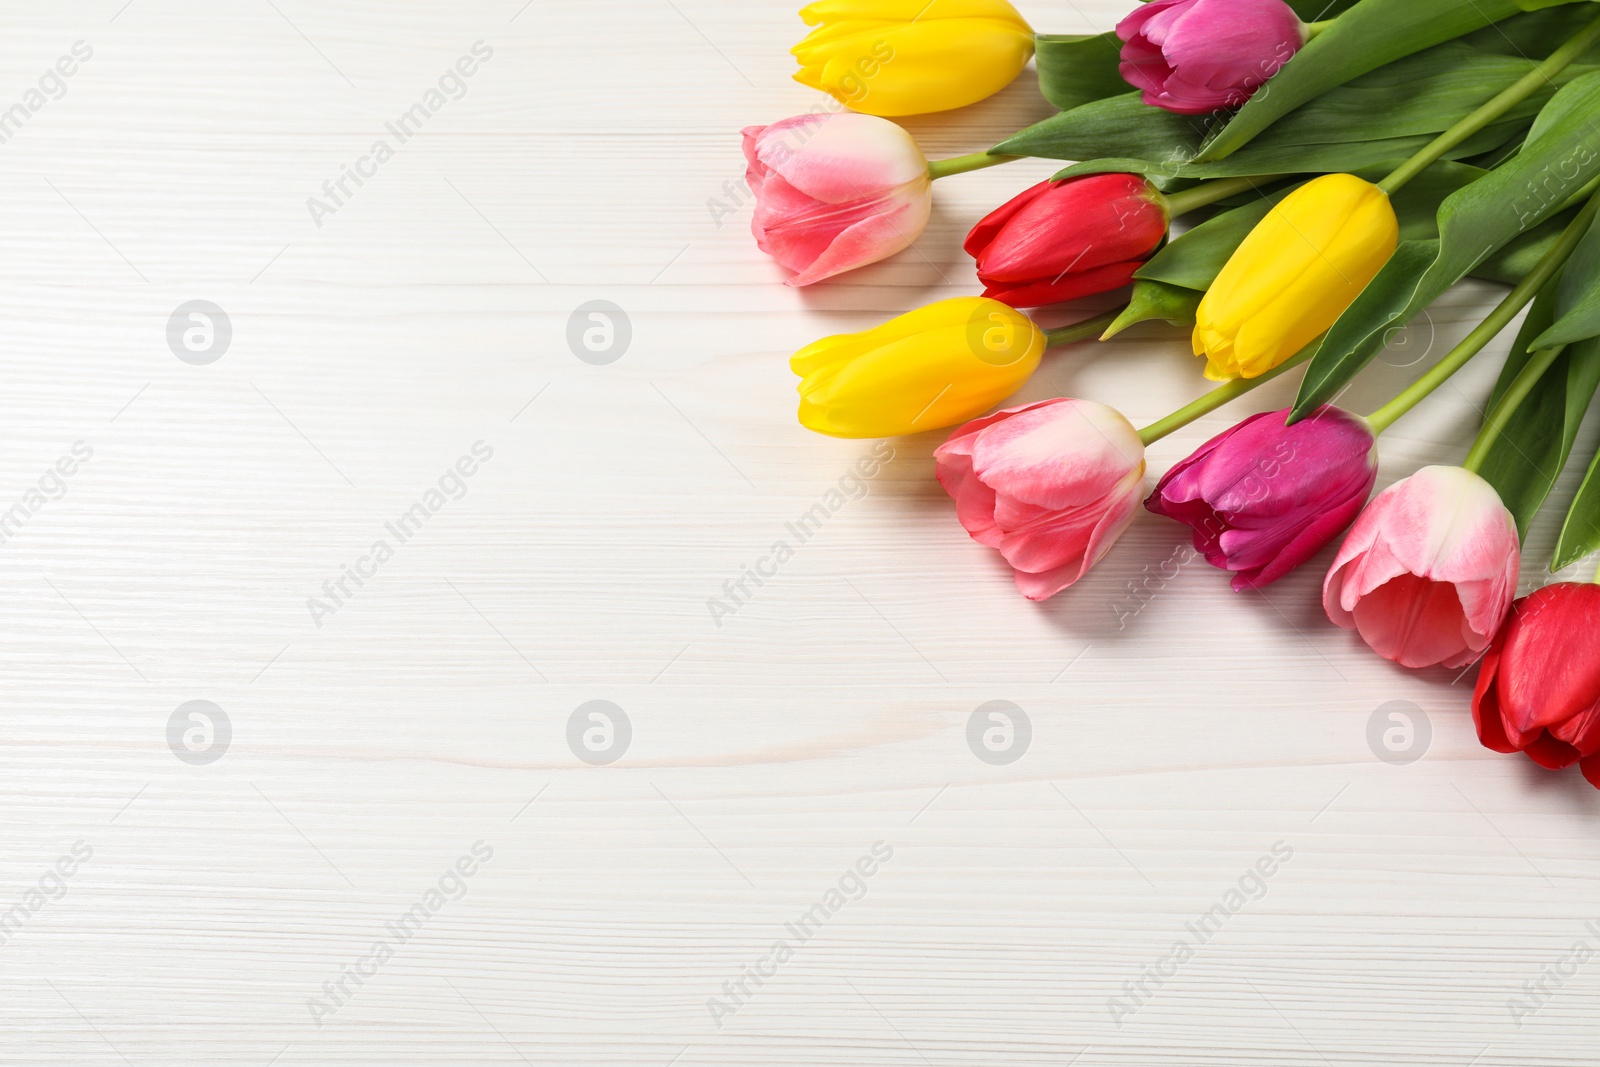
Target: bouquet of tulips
(1341,175)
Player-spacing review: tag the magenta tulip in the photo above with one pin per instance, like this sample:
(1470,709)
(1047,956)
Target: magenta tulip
(835,192)
(1429,569)
(1050,485)
(1195,56)
(1263,497)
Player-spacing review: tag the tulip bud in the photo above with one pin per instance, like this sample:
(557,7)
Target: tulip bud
(1294,274)
(1428,571)
(1060,240)
(1195,56)
(910,57)
(928,368)
(1539,686)
(835,192)
(1263,497)
(1050,485)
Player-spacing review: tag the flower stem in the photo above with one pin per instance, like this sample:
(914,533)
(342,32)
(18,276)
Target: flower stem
(1514,94)
(1314,28)
(1495,423)
(1217,397)
(943,168)
(1497,320)
(1082,331)
(1210,192)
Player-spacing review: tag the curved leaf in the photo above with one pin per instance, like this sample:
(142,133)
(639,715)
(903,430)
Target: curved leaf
(1528,456)
(1473,222)
(1370,35)
(1156,300)
(1389,114)
(1577,295)
(1075,68)
(1580,534)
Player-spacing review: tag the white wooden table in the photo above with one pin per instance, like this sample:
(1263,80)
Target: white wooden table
(243,866)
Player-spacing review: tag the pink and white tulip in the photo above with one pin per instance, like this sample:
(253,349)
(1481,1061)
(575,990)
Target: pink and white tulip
(1050,485)
(1195,56)
(1429,570)
(835,191)
(1263,497)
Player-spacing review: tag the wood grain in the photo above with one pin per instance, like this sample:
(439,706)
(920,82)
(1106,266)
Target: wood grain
(1170,750)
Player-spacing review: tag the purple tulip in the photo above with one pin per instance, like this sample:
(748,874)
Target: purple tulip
(1195,56)
(1264,497)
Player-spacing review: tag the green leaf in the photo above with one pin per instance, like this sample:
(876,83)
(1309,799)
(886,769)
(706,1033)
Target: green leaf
(1580,534)
(1577,295)
(1473,222)
(1512,262)
(1387,115)
(1156,300)
(1368,36)
(1532,449)
(1075,69)
(1194,258)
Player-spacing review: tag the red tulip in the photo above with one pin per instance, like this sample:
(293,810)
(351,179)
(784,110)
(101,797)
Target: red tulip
(1539,687)
(1064,239)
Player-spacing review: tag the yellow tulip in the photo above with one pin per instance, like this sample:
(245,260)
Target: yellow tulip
(936,366)
(1294,275)
(910,57)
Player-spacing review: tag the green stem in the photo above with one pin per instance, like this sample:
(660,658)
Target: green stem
(943,168)
(1219,396)
(1486,330)
(1082,331)
(1314,28)
(1514,94)
(1210,192)
(1495,423)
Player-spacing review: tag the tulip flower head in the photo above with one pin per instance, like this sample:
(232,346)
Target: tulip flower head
(910,57)
(1294,275)
(835,192)
(1428,571)
(1060,240)
(1195,56)
(1263,497)
(933,367)
(1050,485)
(1539,687)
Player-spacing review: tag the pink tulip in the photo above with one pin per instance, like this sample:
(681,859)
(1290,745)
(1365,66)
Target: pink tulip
(835,192)
(1264,497)
(1051,485)
(1428,571)
(1195,56)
